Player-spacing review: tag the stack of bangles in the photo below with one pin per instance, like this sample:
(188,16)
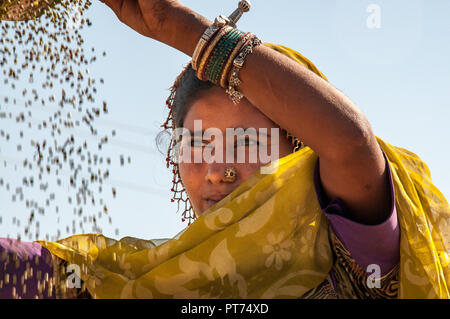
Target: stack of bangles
(221,53)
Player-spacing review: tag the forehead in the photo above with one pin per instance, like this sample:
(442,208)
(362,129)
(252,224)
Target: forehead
(216,110)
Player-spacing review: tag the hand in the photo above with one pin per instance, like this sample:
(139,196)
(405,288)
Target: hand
(167,21)
(148,17)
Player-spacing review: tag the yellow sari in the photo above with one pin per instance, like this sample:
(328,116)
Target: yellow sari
(267,239)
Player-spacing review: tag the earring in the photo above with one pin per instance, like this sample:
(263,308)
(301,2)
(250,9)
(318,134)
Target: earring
(178,189)
(295,141)
(180,196)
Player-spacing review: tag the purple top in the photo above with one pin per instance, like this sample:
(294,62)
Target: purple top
(367,244)
(378,244)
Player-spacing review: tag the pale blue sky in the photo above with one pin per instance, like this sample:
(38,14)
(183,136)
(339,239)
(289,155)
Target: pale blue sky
(398,74)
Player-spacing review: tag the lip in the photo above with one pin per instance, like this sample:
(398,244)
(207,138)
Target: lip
(210,203)
(216,197)
(213,198)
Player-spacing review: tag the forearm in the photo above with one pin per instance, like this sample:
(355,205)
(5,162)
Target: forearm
(298,100)
(304,104)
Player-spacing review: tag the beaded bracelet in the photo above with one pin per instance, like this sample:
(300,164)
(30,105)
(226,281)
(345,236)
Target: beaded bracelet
(238,63)
(204,59)
(226,70)
(220,55)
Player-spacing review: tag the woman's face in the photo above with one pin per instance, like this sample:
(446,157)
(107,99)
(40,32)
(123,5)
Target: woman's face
(204,180)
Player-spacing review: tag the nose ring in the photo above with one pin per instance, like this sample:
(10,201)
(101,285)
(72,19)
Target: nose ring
(230,174)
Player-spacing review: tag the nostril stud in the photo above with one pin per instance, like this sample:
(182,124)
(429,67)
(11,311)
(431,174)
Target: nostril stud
(230,174)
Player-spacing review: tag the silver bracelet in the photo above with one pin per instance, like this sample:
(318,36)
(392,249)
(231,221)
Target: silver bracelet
(238,63)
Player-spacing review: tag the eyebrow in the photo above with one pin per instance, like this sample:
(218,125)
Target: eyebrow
(200,133)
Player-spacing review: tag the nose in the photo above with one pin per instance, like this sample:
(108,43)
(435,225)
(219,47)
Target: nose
(216,173)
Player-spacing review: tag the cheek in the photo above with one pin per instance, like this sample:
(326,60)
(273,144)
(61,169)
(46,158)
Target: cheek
(277,148)
(285,147)
(192,176)
(247,170)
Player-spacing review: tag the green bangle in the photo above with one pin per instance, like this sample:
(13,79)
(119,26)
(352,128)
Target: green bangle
(224,57)
(220,55)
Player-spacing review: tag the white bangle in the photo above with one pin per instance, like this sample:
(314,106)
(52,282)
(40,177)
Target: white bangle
(219,22)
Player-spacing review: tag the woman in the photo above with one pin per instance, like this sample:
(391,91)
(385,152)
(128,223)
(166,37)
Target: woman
(266,235)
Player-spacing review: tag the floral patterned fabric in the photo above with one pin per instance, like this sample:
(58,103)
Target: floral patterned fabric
(268,239)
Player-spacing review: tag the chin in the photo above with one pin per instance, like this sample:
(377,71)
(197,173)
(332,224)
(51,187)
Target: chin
(207,204)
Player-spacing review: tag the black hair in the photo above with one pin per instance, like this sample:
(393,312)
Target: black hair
(188,89)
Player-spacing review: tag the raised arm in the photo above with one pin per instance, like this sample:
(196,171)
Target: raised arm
(352,165)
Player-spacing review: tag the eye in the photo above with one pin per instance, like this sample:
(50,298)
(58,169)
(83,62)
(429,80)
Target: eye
(198,143)
(246,142)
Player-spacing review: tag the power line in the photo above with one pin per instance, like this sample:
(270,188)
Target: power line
(111,182)
(104,122)
(114,141)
